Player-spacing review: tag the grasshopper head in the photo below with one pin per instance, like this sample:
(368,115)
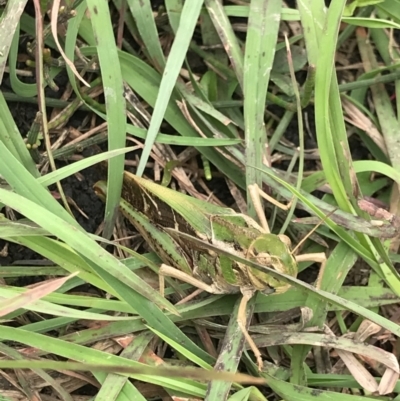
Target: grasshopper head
(273,251)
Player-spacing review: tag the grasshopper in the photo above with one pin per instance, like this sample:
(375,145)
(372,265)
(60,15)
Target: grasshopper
(160,214)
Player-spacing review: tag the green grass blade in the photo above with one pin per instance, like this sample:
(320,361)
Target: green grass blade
(23,183)
(262,31)
(231,351)
(115,103)
(189,17)
(228,37)
(143,16)
(89,355)
(328,112)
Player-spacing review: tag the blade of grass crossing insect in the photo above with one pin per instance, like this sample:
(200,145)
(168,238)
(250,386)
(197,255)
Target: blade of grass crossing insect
(262,34)
(188,21)
(326,296)
(115,103)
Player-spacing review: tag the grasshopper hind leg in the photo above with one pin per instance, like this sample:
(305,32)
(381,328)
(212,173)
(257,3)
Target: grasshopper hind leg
(256,193)
(170,271)
(247,294)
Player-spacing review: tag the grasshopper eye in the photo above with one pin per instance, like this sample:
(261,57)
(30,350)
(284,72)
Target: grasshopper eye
(268,290)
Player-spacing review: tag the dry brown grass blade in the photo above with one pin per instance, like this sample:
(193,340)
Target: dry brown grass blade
(355,117)
(11,304)
(358,370)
